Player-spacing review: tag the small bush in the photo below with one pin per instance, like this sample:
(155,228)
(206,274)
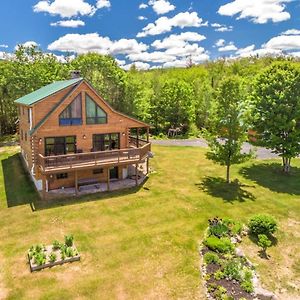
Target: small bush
(69,252)
(56,245)
(221,245)
(52,257)
(247,286)
(262,224)
(218,275)
(40,258)
(234,226)
(232,270)
(263,242)
(69,240)
(211,258)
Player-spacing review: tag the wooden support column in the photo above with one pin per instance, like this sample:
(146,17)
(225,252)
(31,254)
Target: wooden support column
(147,165)
(44,187)
(76,183)
(148,134)
(136,175)
(108,179)
(137,137)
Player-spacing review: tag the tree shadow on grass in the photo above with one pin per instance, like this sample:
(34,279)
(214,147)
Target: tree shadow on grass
(19,189)
(229,192)
(270,175)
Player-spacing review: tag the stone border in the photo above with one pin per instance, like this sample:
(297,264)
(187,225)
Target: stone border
(34,267)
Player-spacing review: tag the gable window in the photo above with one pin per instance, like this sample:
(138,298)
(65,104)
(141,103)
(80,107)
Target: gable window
(72,115)
(94,113)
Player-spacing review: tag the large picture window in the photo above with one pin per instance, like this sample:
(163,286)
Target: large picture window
(72,115)
(60,145)
(94,113)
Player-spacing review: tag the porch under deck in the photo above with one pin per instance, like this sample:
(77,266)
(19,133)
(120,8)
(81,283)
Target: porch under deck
(114,185)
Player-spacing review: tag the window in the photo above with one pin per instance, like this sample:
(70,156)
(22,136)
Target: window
(26,136)
(103,142)
(21,135)
(23,110)
(94,113)
(62,176)
(28,115)
(72,115)
(98,171)
(60,145)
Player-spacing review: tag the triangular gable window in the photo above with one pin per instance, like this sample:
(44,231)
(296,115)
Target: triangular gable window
(94,113)
(72,115)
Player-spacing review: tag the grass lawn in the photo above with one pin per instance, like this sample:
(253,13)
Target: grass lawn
(143,243)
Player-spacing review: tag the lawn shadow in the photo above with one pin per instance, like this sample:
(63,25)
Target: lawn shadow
(19,189)
(229,192)
(72,200)
(270,175)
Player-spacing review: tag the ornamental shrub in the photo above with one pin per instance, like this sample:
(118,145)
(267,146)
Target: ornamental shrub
(262,224)
(211,258)
(69,240)
(52,257)
(247,286)
(222,245)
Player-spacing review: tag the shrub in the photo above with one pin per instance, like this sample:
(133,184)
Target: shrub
(221,245)
(69,252)
(232,270)
(39,258)
(234,226)
(69,240)
(247,286)
(263,242)
(218,275)
(262,224)
(211,258)
(56,245)
(39,248)
(52,257)
(217,228)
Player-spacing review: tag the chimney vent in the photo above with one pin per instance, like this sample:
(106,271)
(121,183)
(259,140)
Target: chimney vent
(75,74)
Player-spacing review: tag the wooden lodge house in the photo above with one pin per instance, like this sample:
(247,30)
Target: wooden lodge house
(70,137)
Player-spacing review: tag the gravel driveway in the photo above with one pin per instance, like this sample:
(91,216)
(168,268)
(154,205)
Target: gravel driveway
(261,153)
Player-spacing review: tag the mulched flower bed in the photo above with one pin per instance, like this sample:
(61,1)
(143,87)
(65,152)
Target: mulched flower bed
(41,257)
(227,273)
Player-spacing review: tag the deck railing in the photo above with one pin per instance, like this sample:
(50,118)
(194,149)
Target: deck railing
(101,158)
(134,142)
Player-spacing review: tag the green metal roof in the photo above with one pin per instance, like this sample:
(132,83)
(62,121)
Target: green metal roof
(46,91)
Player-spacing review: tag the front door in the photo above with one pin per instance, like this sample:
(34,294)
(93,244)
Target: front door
(114,173)
(60,145)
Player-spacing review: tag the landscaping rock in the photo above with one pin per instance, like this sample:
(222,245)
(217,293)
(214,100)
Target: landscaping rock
(263,294)
(233,240)
(239,252)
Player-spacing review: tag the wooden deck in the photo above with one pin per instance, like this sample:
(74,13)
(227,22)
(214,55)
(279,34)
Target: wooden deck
(90,160)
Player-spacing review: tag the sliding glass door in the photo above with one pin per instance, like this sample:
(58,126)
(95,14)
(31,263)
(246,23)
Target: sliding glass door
(104,142)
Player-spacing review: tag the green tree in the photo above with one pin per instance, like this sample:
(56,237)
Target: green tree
(227,129)
(276,98)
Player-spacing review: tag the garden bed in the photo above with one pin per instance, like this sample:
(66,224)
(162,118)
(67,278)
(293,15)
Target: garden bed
(227,273)
(41,256)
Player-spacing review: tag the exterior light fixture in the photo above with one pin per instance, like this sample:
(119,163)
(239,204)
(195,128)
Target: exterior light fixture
(40,141)
(84,137)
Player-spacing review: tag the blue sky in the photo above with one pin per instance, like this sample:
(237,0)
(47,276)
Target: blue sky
(153,33)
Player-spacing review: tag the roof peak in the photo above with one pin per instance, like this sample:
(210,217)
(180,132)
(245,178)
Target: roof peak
(47,91)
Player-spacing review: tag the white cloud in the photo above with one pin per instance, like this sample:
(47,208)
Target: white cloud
(226,48)
(6,55)
(292,32)
(220,43)
(138,64)
(154,57)
(259,11)
(68,23)
(165,24)
(103,3)
(65,8)
(224,28)
(161,7)
(245,50)
(142,18)
(283,42)
(143,6)
(3,46)
(176,41)
(93,42)
(27,44)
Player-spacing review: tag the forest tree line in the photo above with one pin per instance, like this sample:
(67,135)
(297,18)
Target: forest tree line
(164,98)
